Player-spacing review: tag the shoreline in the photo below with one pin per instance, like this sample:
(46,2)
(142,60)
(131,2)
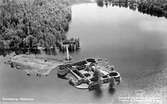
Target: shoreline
(32,64)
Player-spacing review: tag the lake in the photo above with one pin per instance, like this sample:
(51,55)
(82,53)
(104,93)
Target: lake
(134,42)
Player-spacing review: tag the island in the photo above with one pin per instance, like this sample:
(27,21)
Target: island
(85,74)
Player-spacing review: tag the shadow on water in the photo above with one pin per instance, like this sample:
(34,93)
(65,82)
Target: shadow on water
(111,91)
(5,52)
(98,92)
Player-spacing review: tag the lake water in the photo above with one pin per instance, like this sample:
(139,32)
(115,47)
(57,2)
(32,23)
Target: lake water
(135,43)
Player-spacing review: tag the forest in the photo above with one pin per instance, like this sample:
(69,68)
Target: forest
(152,7)
(30,24)
(33,24)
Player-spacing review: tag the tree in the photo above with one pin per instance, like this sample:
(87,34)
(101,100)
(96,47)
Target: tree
(41,21)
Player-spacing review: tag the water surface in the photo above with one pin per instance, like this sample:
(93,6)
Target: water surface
(135,43)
